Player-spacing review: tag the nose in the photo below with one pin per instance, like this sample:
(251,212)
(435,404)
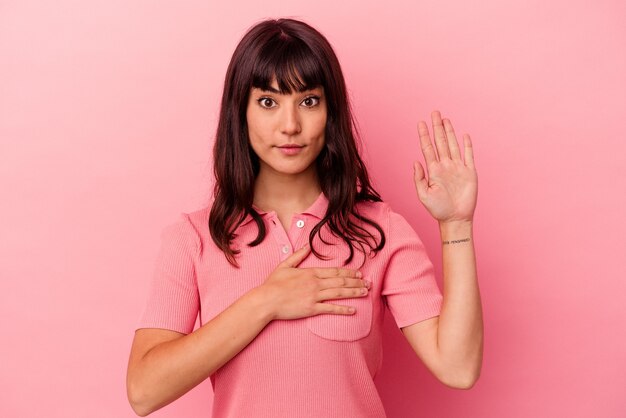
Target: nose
(290,121)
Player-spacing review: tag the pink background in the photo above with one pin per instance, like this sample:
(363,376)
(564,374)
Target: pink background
(107,114)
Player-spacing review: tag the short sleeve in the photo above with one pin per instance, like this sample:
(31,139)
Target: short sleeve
(173,301)
(409,284)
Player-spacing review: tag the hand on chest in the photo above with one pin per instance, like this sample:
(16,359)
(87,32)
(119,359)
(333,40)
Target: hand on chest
(221,284)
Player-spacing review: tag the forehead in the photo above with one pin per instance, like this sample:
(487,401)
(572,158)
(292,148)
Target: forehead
(286,79)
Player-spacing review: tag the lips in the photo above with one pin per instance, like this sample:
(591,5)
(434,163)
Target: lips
(290,149)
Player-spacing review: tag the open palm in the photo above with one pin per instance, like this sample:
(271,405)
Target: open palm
(450,192)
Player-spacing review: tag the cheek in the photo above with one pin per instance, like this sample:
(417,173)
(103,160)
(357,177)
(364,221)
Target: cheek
(318,125)
(255,126)
(318,134)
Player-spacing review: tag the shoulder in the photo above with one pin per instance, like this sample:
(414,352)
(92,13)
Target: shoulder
(376,211)
(200,218)
(382,213)
(188,228)
(390,220)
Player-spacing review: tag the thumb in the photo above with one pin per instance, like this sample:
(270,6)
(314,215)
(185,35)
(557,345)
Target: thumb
(297,257)
(421,184)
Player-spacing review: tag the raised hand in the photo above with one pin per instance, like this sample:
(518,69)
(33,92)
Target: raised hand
(450,192)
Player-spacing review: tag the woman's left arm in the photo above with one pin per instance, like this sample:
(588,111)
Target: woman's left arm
(451,345)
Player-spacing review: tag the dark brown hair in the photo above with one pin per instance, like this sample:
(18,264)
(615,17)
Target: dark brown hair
(299,58)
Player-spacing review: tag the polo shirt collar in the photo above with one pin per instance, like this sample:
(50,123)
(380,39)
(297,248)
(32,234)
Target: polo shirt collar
(318,209)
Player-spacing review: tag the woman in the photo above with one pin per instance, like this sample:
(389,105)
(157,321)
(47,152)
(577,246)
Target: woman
(293,262)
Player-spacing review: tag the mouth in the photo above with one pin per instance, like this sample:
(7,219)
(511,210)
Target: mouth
(290,149)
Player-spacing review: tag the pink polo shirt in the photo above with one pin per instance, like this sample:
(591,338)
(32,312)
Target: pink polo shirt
(319,366)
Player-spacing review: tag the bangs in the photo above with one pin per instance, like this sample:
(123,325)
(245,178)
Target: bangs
(291,62)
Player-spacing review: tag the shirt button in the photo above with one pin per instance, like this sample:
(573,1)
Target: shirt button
(300,223)
(285,249)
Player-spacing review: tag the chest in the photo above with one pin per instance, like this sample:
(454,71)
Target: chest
(220,283)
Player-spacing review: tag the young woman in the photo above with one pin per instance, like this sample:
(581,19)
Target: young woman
(294,260)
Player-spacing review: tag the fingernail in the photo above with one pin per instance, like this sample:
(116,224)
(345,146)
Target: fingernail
(359,274)
(368,284)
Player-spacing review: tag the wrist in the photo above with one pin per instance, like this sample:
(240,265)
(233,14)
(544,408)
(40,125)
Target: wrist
(456,230)
(261,303)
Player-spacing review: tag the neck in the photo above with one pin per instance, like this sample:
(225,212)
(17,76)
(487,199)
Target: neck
(280,191)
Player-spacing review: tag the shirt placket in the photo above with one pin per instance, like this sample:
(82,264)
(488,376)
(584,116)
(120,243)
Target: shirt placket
(287,239)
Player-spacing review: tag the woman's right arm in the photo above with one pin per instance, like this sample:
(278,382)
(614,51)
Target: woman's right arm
(166,364)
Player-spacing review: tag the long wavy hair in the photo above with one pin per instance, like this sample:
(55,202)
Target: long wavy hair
(299,58)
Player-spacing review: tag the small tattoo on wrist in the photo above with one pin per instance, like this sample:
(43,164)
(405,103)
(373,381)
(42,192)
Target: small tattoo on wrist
(456,241)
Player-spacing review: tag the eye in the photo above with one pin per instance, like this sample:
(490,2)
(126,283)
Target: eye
(311,101)
(266,102)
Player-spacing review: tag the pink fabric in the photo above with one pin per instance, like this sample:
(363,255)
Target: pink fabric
(320,366)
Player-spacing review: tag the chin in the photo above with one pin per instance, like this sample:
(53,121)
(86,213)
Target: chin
(290,169)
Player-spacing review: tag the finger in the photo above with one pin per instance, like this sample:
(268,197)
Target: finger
(427,147)
(327,272)
(341,293)
(419,176)
(338,282)
(296,258)
(329,308)
(469,151)
(455,152)
(440,136)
